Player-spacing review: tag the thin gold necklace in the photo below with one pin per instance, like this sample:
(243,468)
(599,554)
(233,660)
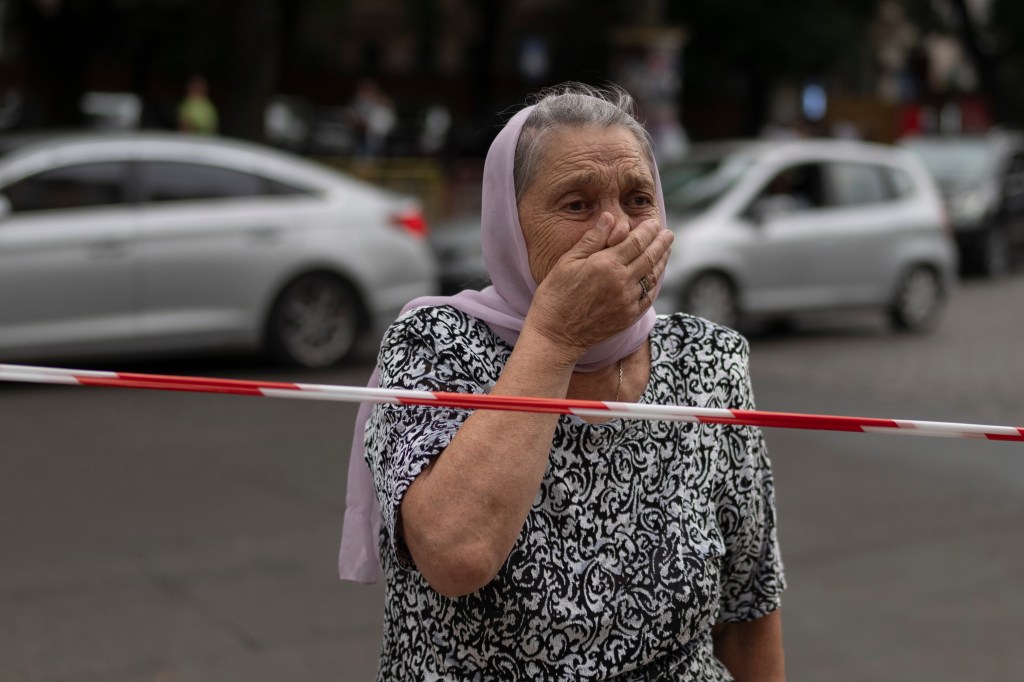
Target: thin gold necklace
(618,386)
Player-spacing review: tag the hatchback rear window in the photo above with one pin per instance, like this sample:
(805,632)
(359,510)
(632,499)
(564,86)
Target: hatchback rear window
(855,184)
(900,182)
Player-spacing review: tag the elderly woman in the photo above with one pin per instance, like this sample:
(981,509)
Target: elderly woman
(521,546)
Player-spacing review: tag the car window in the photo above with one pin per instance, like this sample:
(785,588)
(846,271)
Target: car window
(900,182)
(1017,163)
(792,189)
(183,181)
(856,184)
(1013,183)
(278,188)
(955,163)
(694,185)
(77,186)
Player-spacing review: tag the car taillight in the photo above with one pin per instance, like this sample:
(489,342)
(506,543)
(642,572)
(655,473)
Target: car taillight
(413,222)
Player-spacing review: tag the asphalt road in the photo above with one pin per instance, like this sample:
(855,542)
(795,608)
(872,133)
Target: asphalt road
(171,537)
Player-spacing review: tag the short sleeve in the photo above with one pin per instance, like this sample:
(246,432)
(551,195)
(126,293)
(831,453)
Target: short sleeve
(752,575)
(421,352)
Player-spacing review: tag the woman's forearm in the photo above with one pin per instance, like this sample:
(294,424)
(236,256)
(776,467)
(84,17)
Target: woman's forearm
(462,515)
(752,650)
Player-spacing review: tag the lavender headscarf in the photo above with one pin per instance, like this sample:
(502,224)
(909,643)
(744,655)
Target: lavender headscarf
(503,306)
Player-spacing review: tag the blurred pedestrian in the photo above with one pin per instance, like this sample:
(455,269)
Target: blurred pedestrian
(522,546)
(436,124)
(196,114)
(374,118)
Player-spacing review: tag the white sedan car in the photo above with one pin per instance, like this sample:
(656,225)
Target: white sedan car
(152,243)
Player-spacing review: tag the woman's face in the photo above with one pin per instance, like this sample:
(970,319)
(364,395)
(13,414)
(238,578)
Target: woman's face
(583,173)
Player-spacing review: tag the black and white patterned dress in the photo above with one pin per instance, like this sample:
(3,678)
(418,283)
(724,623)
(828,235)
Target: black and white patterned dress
(643,533)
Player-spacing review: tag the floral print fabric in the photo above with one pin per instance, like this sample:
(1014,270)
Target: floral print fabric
(643,533)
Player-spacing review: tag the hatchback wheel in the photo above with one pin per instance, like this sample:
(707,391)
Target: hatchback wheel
(315,321)
(712,296)
(918,300)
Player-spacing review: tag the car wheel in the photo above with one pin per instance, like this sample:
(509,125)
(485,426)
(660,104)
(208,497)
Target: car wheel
(712,296)
(315,321)
(994,254)
(918,300)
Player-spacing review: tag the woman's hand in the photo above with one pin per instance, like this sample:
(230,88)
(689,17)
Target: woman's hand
(594,292)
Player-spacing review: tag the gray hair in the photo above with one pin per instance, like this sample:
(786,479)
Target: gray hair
(573,105)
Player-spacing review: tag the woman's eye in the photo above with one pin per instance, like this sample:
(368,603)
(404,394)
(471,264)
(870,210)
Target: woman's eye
(576,205)
(641,201)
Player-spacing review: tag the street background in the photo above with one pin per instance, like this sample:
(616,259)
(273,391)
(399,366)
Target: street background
(162,537)
(171,537)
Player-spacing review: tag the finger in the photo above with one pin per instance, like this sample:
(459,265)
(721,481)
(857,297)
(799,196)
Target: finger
(660,266)
(645,300)
(595,239)
(620,230)
(639,238)
(649,284)
(657,249)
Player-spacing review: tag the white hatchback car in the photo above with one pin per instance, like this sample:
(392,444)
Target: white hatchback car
(775,228)
(147,242)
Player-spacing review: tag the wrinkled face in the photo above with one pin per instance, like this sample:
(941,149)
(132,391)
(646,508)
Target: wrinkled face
(583,173)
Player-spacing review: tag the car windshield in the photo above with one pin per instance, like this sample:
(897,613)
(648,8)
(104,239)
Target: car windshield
(955,163)
(696,184)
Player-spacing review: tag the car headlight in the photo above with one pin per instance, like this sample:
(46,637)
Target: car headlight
(969,207)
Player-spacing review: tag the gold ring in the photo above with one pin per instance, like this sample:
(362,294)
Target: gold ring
(645,284)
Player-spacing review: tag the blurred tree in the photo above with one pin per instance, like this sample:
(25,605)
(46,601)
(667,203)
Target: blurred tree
(54,78)
(992,37)
(246,57)
(1007,22)
(493,17)
(740,50)
(235,43)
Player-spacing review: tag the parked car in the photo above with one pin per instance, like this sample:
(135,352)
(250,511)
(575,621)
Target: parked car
(115,243)
(456,242)
(770,229)
(776,228)
(981,178)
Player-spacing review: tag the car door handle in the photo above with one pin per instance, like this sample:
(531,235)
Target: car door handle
(105,249)
(265,235)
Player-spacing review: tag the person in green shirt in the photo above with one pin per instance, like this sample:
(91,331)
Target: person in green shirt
(196,114)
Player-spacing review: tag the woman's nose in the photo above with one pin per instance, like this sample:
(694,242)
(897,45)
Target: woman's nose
(619,216)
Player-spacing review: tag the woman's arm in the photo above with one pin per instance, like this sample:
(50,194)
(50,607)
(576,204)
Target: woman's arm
(462,515)
(752,650)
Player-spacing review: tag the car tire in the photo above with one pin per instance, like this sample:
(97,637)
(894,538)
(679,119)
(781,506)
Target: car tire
(712,296)
(315,321)
(993,259)
(918,301)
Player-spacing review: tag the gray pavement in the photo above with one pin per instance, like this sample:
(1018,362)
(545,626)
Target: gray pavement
(172,537)
(973,363)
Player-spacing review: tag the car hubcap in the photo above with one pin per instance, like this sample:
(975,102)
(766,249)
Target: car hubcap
(711,297)
(318,322)
(920,297)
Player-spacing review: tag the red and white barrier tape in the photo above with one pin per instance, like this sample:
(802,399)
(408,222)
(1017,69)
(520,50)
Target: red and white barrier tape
(582,408)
